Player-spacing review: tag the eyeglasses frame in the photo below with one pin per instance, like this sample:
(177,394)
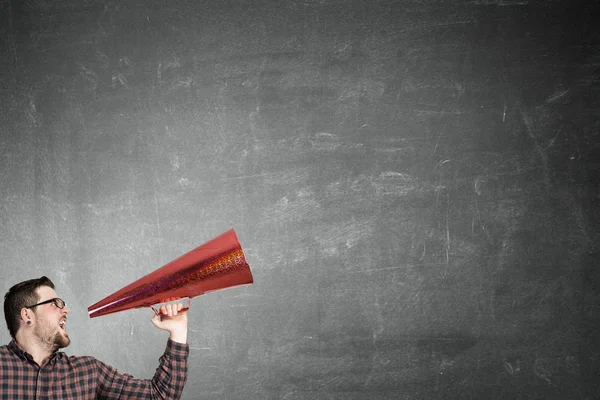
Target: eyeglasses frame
(52,300)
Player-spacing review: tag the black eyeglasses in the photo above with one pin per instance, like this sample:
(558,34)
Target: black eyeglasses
(57,302)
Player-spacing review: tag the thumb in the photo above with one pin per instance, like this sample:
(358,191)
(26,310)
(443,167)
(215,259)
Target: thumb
(156,320)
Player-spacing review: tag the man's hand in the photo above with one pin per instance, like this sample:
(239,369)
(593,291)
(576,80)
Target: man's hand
(174,321)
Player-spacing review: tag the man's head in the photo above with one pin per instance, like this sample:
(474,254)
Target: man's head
(30,305)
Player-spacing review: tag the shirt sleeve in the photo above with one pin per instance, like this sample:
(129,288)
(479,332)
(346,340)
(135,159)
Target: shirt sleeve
(167,383)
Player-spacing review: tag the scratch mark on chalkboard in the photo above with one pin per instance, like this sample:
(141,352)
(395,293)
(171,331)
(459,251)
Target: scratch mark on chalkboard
(218,118)
(62,276)
(513,370)
(245,177)
(557,96)
(291,177)
(381,269)
(542,370)
(325,141)
(102,59)
(530,128)
(89,79)
(159,74)
(429,25)
(347,233)
(248,305)
(396,149)
(199,348)
(394,183)
(440,187)
(294,209)
(157,221)
(243,295)
(32,113)
(447,238)
(11,41)
(187,182)
(441,113)
(477,183)
(500,3)
(439,164)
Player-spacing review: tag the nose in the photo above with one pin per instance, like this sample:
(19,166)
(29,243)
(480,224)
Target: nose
(65,310)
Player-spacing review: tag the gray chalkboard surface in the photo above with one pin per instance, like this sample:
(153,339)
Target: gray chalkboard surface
(414,183)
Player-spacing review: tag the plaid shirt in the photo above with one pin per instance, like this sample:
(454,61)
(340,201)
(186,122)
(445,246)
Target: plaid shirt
(64,377)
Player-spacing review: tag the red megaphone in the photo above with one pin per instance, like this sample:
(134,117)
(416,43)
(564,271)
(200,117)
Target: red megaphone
(217,264)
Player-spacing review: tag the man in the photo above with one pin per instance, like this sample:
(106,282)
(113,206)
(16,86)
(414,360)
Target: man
(31,367)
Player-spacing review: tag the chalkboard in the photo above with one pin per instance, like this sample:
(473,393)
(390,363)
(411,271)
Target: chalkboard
(414,183)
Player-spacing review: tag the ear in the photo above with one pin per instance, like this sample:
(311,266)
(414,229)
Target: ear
(25,314)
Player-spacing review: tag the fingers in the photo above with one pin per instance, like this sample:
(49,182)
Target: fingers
(172,318)
(171,310)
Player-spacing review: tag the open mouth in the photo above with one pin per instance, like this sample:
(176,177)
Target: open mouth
(63,324)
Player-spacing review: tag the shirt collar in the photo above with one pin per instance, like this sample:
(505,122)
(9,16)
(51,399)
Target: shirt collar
(15,348)
(22,354)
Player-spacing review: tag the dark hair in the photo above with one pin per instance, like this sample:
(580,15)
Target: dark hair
(19,296)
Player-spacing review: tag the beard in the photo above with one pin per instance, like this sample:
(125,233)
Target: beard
(61,340)
(53,339)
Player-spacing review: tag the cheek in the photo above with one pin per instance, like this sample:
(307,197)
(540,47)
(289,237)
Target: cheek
(44,325)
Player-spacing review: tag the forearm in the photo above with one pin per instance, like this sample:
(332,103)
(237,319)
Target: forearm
(171,374)
(167,383)
(179,335)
